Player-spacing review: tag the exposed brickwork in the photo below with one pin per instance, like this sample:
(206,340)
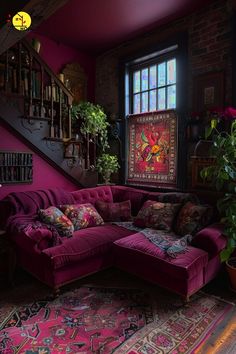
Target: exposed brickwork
(209,50)
(210,44)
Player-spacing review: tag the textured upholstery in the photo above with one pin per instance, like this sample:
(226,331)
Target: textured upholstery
(91,195)
(90,250)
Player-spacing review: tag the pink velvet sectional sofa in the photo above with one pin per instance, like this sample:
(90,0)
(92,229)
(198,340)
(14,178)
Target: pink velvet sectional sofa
(56,262)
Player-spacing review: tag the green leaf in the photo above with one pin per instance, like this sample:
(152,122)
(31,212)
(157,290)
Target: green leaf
(208,131)
(143,137)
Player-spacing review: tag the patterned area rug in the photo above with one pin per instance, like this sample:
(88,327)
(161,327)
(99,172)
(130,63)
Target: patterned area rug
(107,320)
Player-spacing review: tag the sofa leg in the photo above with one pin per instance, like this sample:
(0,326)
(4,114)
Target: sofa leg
(186,299)
(56,292)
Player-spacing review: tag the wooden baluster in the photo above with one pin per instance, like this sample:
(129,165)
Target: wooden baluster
(42,109)
(52,133)
(60,114)
(7,73)
(19,84)
(69,120)
(31,107)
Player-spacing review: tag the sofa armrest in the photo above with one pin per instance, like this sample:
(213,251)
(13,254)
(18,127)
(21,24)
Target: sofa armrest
(211,239)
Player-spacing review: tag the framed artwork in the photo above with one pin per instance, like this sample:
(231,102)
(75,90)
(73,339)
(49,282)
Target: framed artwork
(208,91)
(152,149)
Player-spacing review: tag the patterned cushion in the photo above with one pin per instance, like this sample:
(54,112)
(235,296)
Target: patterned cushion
(55,217)
(114,211)
(82,215)
(192,218)
(157,215)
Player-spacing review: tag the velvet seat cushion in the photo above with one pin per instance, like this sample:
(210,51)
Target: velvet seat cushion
(85,243)
(185,265)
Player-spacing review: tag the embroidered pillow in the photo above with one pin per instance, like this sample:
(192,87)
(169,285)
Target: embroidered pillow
(60,221)
(192,218)
(157,215)
(82,215)
(114,211)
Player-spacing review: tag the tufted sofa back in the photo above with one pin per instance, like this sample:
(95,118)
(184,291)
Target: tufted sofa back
(91,195)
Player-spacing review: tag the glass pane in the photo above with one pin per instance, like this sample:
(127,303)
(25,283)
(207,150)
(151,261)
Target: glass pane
(144,102)
(161,98)
(153,77)
(153,100)
(137,103)
(171,72)
(161,74)
(171,96)
(144,79)
(136,81)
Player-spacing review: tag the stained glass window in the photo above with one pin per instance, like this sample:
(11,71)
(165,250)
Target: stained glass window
(162,74)
(153,77)
(137,103)
(153,100)
(171,96)
(145,102)
(144,79)
(136,81)
(161,99)
(154,86)
(171,72)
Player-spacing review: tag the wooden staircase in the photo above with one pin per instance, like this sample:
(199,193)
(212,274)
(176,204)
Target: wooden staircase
(35,105)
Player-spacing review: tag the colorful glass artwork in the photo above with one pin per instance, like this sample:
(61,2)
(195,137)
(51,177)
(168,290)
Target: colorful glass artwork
(153,77)
(145,102)
(162,74)
(171,72)
(171,96)
(153,100)
(144,79)
(136,81)
(162,98)
(137,103)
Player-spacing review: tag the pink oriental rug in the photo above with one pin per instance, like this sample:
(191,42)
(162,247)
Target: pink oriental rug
(107,320)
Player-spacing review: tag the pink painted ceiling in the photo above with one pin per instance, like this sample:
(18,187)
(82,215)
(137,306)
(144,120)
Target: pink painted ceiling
(97,25)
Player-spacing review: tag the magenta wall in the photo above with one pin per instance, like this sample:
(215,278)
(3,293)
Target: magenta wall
(44,176)
(57,55)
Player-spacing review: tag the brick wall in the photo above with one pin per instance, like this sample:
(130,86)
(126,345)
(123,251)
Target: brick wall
(209,31)
(209,49)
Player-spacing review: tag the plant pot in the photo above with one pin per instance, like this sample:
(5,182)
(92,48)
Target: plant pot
(106,177)
(231,269)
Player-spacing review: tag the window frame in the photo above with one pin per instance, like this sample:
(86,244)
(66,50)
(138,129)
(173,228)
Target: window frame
(124,107)
(158,59)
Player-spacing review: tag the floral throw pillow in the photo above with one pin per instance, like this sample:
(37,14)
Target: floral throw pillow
(82,215)
(157,215)
(60,221)
(192,218)
(114,211)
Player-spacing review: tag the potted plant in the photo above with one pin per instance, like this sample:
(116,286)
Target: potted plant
(106,165)
(93,125)
(223,175)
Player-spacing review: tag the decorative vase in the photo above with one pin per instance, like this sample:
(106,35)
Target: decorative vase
(107,177)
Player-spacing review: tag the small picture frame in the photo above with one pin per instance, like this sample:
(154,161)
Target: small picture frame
(208,91)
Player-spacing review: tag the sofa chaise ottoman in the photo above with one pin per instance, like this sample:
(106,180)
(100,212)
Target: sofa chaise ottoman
(60,260)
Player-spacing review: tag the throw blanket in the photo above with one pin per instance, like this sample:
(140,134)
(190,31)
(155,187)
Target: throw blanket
(167,241)
(24,210)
